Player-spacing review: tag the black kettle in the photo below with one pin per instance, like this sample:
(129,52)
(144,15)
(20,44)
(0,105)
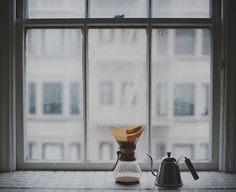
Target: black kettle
(169,173)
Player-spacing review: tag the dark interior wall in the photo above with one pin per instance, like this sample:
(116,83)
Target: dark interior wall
(229,56)
(6,61)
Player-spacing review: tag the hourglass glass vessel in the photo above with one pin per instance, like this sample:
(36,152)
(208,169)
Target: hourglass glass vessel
(126,170)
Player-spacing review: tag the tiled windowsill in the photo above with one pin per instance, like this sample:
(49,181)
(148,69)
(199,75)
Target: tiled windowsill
(104,181)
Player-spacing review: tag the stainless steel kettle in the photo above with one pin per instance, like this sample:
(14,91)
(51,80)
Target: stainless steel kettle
(169,173)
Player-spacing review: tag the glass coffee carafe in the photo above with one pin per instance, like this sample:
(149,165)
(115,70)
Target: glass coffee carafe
(126,170)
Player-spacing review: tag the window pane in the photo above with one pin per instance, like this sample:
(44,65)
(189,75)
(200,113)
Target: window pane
(53,151)
(32,98)
(75,151)
(184,99)
(52,98)
(185,41)
(116,8)
(55,91)
(74,98)
(180,95)
(111,63)
(56,8)
(181,8)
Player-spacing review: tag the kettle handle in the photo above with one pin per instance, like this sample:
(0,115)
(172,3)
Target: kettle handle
(152,165)
(191,168)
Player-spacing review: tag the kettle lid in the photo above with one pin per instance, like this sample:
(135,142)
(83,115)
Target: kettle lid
(168,158)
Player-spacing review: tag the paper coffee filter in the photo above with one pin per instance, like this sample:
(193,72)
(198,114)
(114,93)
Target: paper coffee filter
(129,134)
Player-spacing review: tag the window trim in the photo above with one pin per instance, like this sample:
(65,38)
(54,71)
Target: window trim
(213,23)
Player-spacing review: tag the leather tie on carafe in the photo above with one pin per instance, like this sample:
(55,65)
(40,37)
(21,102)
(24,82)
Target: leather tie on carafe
(126,153)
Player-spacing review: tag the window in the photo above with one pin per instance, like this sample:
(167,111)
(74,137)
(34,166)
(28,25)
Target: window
(98,65)
(205,42)
(128,93)
(160,150)
(53,151)
(184,41)
(186,149)
(32,98)
(32,148)
(74,98)
(106,151)
(106,93)
(75,151)
(162,99)
(205,99)
(184,100)
(52,98)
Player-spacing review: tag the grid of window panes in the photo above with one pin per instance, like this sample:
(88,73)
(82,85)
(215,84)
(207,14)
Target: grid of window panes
(117,81)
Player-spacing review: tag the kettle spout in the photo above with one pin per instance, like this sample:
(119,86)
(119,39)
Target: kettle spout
(151,165)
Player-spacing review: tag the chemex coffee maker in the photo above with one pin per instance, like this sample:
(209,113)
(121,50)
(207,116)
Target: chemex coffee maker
(169,173)
(126,170)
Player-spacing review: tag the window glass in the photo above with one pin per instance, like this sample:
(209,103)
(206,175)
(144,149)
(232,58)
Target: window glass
(58,100)
(32,149)
(186,149)
(74,98)
(75,151)
(121,8)
(179,97)
(32,98)
(128,95)
(205,99)
(106,93)
(184,99)
(56,8)
(161,99)
(111,64)
(52,98)
(185,41)
(181,8)
(160,150)
(53,151)
(206,42)
(106,151)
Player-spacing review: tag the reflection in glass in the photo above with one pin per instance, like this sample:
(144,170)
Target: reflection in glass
(180,116)
(53,77)
(111,63)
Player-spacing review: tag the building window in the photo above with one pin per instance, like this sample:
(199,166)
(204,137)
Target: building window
(32,98)
(205,99)
(32,149)
(75,151)
(206,42)
(53,151)
(186,150)
(106,93)
(184,41)
(74,98)
(128,93)
(204,151)
(52,98)
(53,42)
(184,100)
(160,150)
(106,151)
(161,99)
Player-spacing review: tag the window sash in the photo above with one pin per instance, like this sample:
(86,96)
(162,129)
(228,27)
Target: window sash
(212,23)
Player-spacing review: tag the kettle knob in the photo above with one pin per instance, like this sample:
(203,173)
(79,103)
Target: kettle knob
(168,154)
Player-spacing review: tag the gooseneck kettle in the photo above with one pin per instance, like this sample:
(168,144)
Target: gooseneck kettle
(169,173)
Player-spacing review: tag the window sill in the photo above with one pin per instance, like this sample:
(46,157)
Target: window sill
(104,181)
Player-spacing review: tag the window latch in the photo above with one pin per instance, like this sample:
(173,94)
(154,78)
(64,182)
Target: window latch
(119,16)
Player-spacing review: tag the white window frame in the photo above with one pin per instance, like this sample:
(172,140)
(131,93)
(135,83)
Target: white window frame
(213,23)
